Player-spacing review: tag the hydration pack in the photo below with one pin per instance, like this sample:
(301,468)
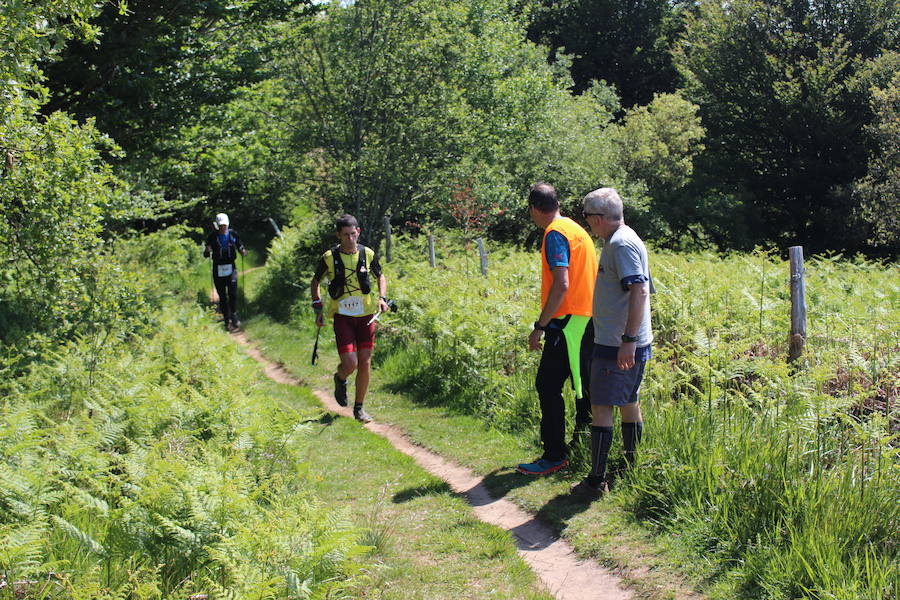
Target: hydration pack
(339,282)
(228,252)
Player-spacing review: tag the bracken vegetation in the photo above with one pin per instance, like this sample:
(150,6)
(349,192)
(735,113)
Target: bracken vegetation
(160,467)
(785,478)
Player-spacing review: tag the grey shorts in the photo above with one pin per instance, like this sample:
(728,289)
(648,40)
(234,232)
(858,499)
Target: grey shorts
(611,386)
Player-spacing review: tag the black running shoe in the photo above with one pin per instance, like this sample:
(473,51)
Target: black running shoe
(360,414)
(589,489)
(340,390)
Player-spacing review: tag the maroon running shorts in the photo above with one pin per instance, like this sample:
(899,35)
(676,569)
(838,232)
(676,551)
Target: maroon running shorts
(353,333)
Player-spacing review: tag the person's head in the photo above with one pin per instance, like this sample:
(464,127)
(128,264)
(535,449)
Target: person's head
(543,203)
(221,222)
(602,209)
(347,230)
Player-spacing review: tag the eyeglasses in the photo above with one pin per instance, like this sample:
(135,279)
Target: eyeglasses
(587,214)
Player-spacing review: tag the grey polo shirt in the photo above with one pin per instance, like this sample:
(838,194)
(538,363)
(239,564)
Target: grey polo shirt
(623,262)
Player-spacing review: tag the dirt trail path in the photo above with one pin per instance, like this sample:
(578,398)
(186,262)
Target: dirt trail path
(553,560)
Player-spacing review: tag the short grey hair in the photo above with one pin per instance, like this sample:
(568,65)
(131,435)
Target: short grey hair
(605,201)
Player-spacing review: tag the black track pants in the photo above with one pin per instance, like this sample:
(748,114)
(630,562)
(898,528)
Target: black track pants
(226,287)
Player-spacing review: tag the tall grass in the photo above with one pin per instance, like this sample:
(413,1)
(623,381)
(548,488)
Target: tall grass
(785,479)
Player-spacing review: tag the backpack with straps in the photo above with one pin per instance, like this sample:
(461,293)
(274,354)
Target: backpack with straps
(338,284)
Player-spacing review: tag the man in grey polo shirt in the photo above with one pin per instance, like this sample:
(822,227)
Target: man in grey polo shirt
(622,335)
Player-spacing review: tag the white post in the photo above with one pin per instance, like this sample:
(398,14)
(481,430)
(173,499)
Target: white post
(431,260)
(483,254)
(798,303)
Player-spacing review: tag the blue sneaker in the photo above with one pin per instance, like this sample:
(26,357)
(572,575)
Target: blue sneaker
(542,466)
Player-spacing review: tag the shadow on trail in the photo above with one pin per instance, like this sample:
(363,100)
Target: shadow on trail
(559,510)
(556,512)
(431,489)
(501,482)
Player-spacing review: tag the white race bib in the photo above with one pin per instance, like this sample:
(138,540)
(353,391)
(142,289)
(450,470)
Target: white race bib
(351,306)
(224,270)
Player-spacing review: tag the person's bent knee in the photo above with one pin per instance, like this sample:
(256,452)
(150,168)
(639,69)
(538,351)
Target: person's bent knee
(349,361)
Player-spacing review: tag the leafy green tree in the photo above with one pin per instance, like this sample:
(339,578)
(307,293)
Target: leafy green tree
(657,146)
(158,63)
(397,94)
(34,31)
(783,93)
(626,43)
(658,142)
(879,190)
(407,103)
(238,158)
(56,195)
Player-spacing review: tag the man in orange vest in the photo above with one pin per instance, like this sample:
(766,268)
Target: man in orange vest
(568,271)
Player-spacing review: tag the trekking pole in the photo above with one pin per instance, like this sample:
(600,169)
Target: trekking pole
(315,354)
(374,318)
(243,301)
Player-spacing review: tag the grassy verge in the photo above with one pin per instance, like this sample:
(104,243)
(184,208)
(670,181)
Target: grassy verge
(603,531)
(427,542)
(783,479)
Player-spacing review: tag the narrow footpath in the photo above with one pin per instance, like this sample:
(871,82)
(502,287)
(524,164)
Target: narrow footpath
(565,575)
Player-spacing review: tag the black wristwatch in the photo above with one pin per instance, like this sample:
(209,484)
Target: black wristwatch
(539,327)
(628,338)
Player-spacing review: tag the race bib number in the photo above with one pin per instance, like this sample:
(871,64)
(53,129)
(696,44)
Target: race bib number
(224,270)
(351,306)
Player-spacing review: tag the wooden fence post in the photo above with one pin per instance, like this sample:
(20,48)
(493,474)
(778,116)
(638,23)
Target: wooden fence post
(798,303)
(483,254)
(387,238)
(431,260)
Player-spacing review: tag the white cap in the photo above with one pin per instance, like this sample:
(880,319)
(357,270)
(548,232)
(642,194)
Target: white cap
(221,219)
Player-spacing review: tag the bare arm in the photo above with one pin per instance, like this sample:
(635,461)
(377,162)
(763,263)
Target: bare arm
(558,290)
(637,301)
(316,297)
(382,292)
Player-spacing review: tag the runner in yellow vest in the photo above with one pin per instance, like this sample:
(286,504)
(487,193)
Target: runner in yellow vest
(568,271)
(356,290)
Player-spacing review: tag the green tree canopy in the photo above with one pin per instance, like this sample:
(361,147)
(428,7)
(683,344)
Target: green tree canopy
(783,93)
(879,190)
(407,102)
(158,63)
(623,42)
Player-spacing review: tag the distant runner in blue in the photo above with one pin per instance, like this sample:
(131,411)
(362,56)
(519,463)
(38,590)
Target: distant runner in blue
(223,246)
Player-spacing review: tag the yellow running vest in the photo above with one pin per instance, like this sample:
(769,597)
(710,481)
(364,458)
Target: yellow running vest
(352,302)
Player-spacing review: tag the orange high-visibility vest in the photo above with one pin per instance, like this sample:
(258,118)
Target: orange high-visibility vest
(582,269)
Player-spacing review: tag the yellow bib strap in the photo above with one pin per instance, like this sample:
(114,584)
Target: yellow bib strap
(573,332)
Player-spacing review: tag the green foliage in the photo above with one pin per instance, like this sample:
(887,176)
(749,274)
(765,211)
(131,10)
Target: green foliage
(235,158)
(290,265)
(199,53)
(163,471)
(659,141)
(880,188)
(657,146)
(58,199)
(407,103)
(624,43)
(785,478)
(34,31)
(55,193)
(783,93)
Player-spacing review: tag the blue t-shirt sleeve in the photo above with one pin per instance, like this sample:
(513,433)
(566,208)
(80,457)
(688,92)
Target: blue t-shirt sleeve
(556,248)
